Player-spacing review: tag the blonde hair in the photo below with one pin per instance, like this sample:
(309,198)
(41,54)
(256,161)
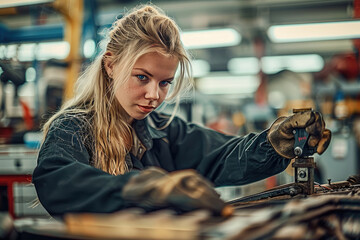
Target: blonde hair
(143,30)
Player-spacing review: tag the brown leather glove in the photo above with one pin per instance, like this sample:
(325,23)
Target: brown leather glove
(183,190)
(281,135)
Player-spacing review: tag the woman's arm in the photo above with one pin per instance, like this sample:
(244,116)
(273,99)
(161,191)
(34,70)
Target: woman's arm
(224,159)
(64,180)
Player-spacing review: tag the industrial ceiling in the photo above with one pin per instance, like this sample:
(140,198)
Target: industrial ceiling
(251,18)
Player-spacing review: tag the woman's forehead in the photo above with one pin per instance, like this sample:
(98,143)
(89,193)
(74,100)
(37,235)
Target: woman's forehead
(157,63)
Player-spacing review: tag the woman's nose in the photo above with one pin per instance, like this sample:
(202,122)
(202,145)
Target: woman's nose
(152,92)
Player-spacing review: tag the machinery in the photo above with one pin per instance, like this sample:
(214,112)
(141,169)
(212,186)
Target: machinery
(304,182)
(303,209)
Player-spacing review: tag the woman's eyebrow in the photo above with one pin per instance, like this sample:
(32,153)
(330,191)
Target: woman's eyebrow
(145,71)
(169,79)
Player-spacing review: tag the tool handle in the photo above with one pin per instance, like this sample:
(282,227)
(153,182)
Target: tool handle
(301,137)
(301,148)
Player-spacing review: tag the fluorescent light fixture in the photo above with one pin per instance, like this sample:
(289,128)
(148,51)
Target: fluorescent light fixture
(296,63)
(211,38)
(48,50)
(11,51)
(274,64)
(200,68)
(2,51)
(30,51)
(244,66)
(227,84)
(26,52)
(314,31)
(17,3)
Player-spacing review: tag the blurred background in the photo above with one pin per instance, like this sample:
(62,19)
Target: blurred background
(253,61)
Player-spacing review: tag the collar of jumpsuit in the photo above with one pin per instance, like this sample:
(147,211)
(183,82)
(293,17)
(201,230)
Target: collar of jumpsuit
(144,133)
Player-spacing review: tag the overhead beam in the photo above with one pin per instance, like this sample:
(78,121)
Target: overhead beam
(19,3)
(31,33)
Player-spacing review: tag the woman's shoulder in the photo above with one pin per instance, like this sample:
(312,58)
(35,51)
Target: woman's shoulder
(68,130)
(71,120)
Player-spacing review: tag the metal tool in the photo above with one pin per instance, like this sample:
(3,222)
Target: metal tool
(301,148)
(301,137)
(304,165)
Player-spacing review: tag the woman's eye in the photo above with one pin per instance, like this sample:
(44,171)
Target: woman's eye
(141,77)
(165,83)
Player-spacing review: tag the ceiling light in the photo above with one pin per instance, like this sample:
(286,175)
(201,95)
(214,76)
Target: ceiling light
(200,68)
(314,31)
(244,66)
(296,63)
(210,38)
(30,51)
(17,3)
(26,52)
(227,84)
(48,50)
(10,51)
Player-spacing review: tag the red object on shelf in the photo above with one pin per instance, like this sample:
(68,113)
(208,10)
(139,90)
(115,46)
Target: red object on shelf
(261,92)
(28,119)
(270,182)
(347,65)
(5,134)
(8,181)
(357,41)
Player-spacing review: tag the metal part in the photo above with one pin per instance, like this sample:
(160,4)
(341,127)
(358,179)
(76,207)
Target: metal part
(304,165)
(290,190)
(326,217)
(301,137)
(304,173)
(315,217)
(304,170)
(298,151)
(301,148)
(355,179)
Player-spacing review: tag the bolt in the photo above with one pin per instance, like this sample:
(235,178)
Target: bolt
(298,151)
(302,174)
(329,181)
(292,191)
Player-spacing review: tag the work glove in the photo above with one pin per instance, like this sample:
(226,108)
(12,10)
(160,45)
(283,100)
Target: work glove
(183,190)
(281,133)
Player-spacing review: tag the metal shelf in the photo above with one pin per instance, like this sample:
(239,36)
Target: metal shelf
(31,33)
(349,89)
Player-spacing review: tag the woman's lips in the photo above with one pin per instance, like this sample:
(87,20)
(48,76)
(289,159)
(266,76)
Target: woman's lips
(146,109)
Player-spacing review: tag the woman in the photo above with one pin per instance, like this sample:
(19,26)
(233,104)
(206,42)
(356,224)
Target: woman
(98,148)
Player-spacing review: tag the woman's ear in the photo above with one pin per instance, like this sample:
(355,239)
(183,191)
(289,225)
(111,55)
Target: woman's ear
(108,63)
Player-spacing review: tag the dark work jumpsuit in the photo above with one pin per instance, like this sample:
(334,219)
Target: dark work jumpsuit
(66,181)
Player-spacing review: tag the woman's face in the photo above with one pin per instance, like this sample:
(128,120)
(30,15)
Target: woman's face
(148,85)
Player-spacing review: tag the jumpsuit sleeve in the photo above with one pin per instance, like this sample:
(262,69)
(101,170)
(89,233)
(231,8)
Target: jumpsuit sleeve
(223,159)
(66,182)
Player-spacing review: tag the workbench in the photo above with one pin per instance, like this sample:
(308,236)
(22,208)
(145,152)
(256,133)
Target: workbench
(329,216)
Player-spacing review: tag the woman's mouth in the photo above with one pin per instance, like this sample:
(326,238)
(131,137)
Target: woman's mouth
(146,109)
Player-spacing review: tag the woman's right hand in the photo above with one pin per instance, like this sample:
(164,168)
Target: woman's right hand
(183,190)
